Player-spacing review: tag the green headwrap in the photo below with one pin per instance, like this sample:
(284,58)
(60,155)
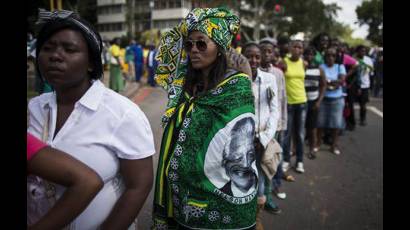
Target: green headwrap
(219,24)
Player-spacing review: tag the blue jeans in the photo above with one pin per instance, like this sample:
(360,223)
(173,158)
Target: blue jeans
(151,76)
(138,71)
(296,125)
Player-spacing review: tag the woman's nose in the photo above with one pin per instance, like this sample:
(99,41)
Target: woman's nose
(56,55)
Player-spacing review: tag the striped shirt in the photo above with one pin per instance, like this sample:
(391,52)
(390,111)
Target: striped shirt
(312,79)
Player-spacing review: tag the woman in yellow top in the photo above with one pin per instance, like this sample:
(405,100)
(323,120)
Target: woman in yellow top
(295,90)
(116,79)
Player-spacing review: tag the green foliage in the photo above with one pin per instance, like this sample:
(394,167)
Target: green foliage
(371,14)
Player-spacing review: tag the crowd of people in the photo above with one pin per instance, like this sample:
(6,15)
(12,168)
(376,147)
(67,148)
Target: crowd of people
(231,125)
(128,62)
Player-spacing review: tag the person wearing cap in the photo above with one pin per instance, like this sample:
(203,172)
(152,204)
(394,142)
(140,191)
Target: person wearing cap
(206,176)
(97,126)
(269,54)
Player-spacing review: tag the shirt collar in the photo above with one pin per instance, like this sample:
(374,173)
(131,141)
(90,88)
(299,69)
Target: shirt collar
(91,99)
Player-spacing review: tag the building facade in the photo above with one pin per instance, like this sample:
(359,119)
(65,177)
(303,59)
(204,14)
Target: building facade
(111,18)
(117,18)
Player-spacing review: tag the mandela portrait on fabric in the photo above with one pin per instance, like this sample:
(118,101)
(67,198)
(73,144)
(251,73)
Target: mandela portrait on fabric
(230,162)
(238,158)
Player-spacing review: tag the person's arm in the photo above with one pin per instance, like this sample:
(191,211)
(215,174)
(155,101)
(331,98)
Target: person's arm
(341,77)
(322,88)
(138,180)
(82,184)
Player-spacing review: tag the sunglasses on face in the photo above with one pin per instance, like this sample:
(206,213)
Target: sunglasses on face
(200,45)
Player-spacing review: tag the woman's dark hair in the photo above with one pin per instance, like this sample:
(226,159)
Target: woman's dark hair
(216,74)
(359,47)
(94,50)
(316,40)
(309,50)
(248,45)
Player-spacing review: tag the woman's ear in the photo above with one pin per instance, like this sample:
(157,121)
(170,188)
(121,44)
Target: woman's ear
(90,66)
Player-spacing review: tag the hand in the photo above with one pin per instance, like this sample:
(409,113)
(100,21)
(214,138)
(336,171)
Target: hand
(359,92)
(316,106)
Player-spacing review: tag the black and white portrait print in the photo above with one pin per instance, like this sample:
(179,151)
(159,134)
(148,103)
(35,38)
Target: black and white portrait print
(230,161)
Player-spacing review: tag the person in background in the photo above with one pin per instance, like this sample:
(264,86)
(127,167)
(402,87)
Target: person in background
(129,59)
(321,42)
(378,69)
(269,56)
(152,65)
(350,83)
(331,109)
(315,86)
(116,78)
(296,94)
(82,183)
(264,89)
(364,69)
(138,61)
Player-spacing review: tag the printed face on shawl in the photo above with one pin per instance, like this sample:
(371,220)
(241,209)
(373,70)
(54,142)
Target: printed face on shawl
(64,60)
(240,155)
(202,60)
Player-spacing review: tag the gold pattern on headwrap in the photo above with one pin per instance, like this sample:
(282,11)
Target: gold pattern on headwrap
(219,24)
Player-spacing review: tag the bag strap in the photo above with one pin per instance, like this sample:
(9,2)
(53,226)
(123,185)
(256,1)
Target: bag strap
(50,189)
(45,134)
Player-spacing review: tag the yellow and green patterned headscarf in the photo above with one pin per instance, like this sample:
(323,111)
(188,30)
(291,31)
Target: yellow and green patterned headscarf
(219,24)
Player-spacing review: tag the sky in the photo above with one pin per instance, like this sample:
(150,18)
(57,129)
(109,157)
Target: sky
(347,15)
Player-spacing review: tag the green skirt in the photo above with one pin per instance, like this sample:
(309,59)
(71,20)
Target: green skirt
(116,79)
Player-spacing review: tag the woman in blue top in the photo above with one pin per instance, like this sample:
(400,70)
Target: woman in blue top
(331,109)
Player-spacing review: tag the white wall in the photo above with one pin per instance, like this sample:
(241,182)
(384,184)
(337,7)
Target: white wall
(110,2)
(111,18)
(112,34)
(164,14)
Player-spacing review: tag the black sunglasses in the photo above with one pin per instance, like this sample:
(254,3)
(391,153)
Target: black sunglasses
(200,45)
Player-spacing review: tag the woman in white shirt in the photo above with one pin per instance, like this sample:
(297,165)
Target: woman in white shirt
(101,128)
(265,91)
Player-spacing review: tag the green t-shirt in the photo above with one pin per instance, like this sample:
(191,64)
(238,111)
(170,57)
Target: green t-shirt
(295,81)
(318,59)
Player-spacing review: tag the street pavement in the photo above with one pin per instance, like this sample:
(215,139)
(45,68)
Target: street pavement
(335,192)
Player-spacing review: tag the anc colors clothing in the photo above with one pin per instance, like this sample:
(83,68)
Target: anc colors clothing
(195,186)
(295,85)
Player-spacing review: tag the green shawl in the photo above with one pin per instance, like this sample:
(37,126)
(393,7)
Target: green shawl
(192,184)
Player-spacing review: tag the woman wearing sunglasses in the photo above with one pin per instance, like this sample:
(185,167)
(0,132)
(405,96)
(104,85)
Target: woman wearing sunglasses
(331,109)
(207,177)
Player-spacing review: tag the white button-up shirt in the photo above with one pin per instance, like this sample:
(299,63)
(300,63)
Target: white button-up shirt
(266,111)
(103,127)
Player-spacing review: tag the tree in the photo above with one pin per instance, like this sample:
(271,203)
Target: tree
(260,17)
(371,14)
